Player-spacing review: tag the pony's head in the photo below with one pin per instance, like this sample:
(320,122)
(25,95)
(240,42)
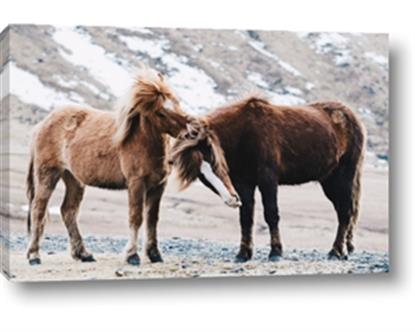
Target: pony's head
(197,153)
(149,97)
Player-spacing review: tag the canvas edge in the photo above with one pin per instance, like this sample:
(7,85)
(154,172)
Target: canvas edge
(4,153)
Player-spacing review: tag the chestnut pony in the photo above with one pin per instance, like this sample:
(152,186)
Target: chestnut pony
(266,145)
(122,150)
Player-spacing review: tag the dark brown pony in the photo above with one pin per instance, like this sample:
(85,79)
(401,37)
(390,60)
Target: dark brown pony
(267,145)
(122,150)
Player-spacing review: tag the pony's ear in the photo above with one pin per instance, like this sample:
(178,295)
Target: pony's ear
(161,77)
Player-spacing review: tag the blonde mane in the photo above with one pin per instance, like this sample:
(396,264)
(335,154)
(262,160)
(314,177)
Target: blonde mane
(146,95)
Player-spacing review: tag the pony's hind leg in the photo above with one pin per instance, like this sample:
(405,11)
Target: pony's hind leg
(69,211)
(268,188)
(246,218)
(338,187)
(153,198)
(46,179)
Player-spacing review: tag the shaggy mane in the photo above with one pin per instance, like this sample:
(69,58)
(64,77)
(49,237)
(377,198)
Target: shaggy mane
(147,94)
(187,158)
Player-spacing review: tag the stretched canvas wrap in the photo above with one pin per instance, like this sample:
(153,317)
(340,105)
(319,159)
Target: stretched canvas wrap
(136,153)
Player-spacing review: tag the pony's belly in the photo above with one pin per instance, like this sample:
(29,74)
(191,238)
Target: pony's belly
(98,172)
(101,178)
(95,164)
(305,173)
(108,184)
(103,175)
(308,162)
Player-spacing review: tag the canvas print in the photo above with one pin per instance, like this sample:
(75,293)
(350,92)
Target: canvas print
(137,153)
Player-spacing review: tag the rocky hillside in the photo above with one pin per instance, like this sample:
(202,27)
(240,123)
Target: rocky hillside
(50,66)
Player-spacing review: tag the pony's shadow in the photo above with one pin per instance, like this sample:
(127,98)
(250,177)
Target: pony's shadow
(281,284)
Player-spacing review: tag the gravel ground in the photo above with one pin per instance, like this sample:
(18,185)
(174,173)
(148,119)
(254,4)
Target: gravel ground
(182,258)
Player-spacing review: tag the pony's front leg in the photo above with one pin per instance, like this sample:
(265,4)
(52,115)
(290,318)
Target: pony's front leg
(153,198)
(136,190)
(246,218)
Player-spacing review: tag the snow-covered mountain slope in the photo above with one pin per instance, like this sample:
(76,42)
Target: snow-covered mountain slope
(50,66)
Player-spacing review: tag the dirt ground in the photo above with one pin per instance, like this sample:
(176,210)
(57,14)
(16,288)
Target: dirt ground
(308,225)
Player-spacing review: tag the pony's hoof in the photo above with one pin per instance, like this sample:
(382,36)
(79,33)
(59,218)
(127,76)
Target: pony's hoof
(35,261)
(350,248)
(155,258)
(275,255)
(275,258)
(133,260)
(335,255)
(154,255)
(242,257)
(88,259)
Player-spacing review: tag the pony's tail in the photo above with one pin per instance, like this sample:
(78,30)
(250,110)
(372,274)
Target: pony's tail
(357,134)
(356,190)
(30,191)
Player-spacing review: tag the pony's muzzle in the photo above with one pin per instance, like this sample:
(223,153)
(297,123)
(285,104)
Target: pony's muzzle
(233,202)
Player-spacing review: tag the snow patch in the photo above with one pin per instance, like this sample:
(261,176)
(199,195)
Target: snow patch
(309,85)
(302,34)
(335,44)
(70,84)
(293,91)
(365,112)
(377,58)
(79,50)
(197,48)
(332,43)
(152,48)
(143,31)
(285,99)
(95,90)
(258,80)
(215,65)
(260,47)
(29,89)
(327,40)
(194,87)
(241,34)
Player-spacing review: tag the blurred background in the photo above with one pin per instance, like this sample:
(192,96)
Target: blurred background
(89,65)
